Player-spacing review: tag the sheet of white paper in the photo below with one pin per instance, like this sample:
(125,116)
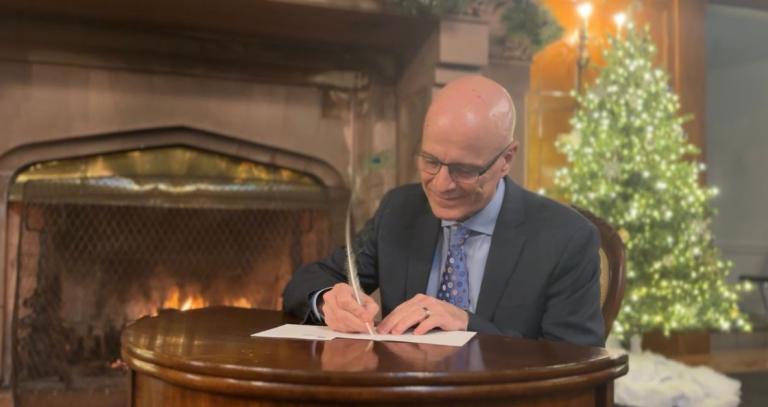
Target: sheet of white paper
(309,332)
(323,333)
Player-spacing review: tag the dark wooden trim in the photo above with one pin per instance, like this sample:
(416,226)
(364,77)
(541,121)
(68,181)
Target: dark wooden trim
(691,70)
(185,370)
(104,45)
(348,27)
(339,392)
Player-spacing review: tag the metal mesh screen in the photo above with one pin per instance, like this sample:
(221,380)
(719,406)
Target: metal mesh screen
(87,270)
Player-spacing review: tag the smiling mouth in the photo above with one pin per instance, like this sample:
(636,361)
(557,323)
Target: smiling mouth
(447,199)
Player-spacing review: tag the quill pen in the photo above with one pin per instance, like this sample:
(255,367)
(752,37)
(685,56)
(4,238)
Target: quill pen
(354,279)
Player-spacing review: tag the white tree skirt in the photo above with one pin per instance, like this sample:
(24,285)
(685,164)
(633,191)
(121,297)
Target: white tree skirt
(655,381)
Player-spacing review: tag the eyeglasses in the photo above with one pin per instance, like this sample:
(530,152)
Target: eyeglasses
(462,173)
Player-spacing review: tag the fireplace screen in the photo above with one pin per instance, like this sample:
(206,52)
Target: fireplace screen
(93,256)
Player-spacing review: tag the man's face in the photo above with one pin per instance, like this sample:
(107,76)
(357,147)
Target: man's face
(450,197)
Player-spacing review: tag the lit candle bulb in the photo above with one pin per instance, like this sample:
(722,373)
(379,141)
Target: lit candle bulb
(585,11)
(619,19)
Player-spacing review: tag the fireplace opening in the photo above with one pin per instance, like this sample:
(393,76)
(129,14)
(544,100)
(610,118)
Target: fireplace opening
(105,240)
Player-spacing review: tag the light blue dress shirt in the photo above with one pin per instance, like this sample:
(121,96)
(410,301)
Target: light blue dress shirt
(476,247)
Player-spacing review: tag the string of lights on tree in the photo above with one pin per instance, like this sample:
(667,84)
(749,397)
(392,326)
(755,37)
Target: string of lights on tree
(630,163)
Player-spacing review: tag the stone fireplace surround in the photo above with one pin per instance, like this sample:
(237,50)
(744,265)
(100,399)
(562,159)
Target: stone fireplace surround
(19,249)
(17,159)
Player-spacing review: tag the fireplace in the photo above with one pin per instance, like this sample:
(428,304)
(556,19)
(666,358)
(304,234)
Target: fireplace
(106,239)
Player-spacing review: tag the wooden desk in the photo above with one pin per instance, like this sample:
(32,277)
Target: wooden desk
(206,357)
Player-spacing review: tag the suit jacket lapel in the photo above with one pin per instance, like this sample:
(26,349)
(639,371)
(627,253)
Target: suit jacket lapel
(506,244)
(421,252)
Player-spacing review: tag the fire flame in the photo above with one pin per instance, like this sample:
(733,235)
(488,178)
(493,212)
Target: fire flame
(175,299)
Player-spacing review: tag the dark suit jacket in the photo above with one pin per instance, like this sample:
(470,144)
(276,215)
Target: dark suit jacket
(542,277)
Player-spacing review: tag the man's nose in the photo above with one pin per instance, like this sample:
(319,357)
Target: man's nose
(443,180)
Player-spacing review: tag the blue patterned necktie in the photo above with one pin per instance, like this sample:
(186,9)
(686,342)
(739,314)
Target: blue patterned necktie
(454,283)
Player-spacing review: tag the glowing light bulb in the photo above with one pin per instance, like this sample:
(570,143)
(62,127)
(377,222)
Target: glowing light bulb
(620,19)
(584,10)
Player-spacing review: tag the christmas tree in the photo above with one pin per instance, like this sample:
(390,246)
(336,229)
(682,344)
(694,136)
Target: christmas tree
(630,163)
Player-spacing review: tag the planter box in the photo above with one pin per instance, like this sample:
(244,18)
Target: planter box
(677,343)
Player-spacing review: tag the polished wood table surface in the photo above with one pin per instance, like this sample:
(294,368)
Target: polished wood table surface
(206,357)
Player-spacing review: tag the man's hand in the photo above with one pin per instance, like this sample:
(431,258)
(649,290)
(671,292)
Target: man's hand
(342,312)
(425,313)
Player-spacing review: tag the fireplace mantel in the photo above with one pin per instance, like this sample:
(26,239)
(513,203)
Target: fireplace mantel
(349,24)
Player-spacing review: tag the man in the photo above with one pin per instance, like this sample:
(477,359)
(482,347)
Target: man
(468,249)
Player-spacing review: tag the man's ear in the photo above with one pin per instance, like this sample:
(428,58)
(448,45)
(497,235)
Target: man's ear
(509,156)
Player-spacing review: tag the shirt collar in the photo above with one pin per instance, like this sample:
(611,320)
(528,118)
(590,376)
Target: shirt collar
(484,221)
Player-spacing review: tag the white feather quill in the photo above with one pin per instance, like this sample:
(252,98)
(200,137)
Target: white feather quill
(352,276)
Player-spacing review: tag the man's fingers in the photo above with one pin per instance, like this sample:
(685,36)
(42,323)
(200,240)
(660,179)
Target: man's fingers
(393,318)
(371,309)
(329,299)
(329,315)
(345,298)
(389,322)
(385,326)
(343,313)
(343,321)
(349,304)
(341,296)
(427,325)
(403,317)
(410,319)
(424,313)
(329,305)
(351,322)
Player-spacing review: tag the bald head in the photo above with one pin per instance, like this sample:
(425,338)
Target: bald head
(466,146)
(473,103)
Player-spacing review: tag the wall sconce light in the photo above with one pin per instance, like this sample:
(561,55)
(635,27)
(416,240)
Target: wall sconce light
(620,19)
(585,11)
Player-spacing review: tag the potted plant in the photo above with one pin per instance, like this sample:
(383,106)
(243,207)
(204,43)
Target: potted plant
(518,28)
